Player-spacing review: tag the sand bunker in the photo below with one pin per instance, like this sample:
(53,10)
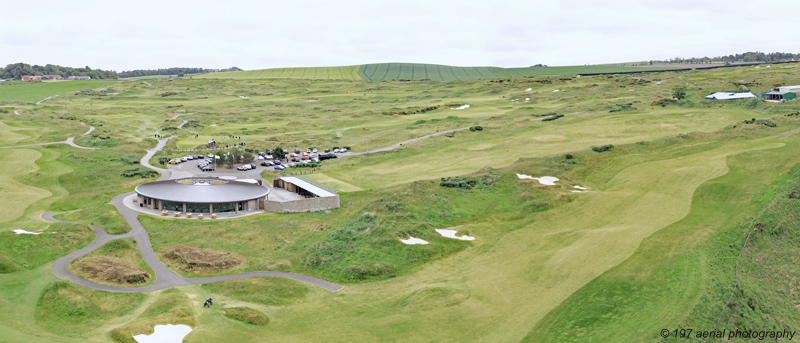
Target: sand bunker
(21,231)
(556,91)
(460,107)
(200,260)
(452,234)
(165,334)
(529,89)
(579,187)
(412,240)
(545,180)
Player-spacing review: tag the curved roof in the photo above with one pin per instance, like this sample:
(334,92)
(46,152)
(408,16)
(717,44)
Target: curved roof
(228,191)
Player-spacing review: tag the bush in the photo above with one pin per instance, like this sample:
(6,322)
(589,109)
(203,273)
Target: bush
(458,182)
(450,134)
(622,107)
(476,128)
(760,122)
(141,172)
(603,148)
(553,117)
(166,94)
(679,92)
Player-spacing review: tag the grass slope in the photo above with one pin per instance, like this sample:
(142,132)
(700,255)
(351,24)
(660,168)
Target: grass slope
(32,92)
(316,73)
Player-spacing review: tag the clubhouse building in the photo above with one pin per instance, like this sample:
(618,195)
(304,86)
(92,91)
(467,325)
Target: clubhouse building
(202,195)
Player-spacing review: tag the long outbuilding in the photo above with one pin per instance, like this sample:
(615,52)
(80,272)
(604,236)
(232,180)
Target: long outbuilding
(202,195)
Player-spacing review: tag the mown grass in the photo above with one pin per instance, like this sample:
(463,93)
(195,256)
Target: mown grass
(32,92)
(170,307)
(261,290)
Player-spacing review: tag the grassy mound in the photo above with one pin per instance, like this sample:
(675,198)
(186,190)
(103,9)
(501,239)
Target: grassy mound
(70,310)
(200,261)
(107,269)
(246,315)
(7,265)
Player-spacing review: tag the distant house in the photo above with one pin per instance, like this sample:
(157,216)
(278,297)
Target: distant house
(786,89)
(30,78)
(51,77)
(74,77)
(212,144)
(730,95)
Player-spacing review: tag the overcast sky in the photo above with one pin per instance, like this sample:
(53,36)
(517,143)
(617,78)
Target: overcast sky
(146,34)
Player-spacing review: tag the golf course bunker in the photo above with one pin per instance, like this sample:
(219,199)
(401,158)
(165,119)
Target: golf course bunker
(545,180)
(23,232)
(452,234)
(460,107)
(165,334)
(412,241)
(199,260)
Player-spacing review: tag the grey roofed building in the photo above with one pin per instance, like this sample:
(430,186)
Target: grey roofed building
(202,194)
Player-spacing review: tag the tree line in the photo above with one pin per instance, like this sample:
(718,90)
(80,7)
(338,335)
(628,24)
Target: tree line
(744,57)
(16,70)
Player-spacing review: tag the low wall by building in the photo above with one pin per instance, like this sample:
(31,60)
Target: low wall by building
(303,205)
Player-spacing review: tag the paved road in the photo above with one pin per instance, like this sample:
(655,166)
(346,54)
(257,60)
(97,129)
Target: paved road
(184,123)
(164,277)
(70,141)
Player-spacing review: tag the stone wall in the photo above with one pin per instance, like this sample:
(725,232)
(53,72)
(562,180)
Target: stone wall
(303,205)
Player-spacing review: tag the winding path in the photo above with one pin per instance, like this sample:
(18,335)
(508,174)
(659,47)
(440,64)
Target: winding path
(70,141)
(395,146)
(164,277)
(184,123)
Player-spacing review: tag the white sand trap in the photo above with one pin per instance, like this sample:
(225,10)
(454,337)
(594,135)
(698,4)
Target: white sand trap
(460,107)
(243,97)
(165,334)
(412,240)
(579,187)
(311,100)
(556,91)
(452,234)
(545,180)
(529,89)
(21,231)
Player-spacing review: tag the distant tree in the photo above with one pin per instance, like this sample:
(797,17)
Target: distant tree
(679,92)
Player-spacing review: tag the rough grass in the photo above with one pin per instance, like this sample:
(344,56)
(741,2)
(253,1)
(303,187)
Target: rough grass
(261,290)
(200,261)
(116,263)
(246,315)
(70,310)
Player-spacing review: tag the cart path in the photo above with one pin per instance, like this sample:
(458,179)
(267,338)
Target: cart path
(395,146)
(184,123)
(181,114)
(164,277)
(779,133)
(91,128)
(70,141)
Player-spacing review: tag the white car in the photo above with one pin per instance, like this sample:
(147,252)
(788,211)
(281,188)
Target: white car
(336,151)
(260,157)
(343,150)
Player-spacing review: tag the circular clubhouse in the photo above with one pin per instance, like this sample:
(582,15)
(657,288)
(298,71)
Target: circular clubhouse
(202,195)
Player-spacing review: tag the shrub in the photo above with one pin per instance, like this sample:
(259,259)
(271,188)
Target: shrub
(141,172)
(602,148)
(679,92)
(553,117)
(166,94)
(476,128)
(623,107)
(568,157)
(760,122)
(458,182)
(450,134)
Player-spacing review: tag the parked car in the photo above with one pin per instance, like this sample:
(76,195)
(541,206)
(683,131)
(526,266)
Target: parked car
(314,150)
(207,168)
(174,161)
(268,157)
(279,167)
(314,159)
(276,162)
(342,150)
(336,151)
(266,164)
(260,157)
(327,150)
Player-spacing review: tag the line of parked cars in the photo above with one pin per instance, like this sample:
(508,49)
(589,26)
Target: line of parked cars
(179,160)
(206,165)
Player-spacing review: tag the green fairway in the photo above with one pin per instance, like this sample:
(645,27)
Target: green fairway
(32,92)
(633,238)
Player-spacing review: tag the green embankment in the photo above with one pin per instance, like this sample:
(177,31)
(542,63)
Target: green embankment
(32,92)
(315,73)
